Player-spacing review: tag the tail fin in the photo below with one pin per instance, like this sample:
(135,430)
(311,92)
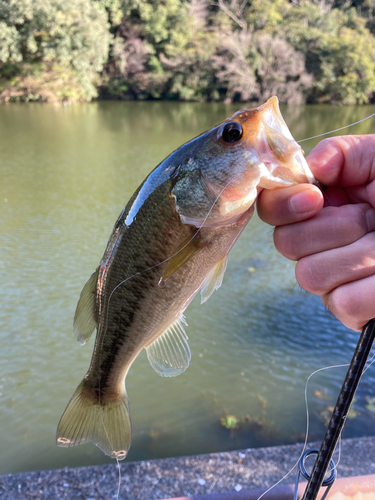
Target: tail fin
(107,425)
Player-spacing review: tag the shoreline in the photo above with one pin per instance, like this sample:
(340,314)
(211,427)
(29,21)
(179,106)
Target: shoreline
(182,476)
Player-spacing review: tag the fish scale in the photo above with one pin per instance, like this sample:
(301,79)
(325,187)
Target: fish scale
(172,240)
(143,246)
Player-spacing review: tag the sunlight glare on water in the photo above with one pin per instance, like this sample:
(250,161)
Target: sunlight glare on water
(66,173)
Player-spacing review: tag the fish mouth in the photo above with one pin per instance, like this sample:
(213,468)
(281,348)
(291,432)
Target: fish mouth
(272,151)
(272,159)
(282,156)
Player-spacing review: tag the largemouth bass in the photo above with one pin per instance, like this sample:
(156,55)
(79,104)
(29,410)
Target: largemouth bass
(172,240)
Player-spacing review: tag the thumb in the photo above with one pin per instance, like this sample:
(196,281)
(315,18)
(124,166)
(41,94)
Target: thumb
(289,204)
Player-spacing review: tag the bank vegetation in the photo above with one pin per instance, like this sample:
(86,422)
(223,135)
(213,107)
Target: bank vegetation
(206,50)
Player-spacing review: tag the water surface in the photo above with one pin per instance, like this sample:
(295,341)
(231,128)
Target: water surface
(66,173)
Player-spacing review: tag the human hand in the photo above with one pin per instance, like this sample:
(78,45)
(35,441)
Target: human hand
(335,244)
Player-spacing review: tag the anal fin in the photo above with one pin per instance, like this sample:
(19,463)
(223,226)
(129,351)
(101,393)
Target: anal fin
(214,279)
(169,355)
(84,319)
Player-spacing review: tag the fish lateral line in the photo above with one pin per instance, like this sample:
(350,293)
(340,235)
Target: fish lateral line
(240,153)
(194,235)
(161,282)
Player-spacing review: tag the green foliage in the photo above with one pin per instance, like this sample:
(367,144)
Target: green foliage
(67,40)
(160,20)
(268,14)
(301,50)
(339,52)
(370,406)
(348,74)
(114,10)
(230,422)
(161,50)
(353,412)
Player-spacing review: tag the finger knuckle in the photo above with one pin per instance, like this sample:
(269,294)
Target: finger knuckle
(356,218)
(343,304)
(311,276)
(285,243)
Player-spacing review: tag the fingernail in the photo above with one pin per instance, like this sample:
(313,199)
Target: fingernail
(305,201)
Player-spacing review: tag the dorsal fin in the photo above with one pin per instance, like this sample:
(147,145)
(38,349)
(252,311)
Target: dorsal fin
(84,319)
(214,279)
(169,355)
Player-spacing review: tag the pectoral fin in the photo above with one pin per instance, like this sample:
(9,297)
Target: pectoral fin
(186,251)
(84,319)
(214,279)
(169,355)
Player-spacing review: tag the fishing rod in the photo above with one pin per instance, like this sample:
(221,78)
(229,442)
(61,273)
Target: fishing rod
(316,479)
(324,456)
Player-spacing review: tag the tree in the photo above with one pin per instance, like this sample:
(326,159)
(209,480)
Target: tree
(339,52)
(162,50)
(51,48)
(280,70)
(301,50)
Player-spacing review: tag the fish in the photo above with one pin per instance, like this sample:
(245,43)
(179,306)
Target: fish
(171,241)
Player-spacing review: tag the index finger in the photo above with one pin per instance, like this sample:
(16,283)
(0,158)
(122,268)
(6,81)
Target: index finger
(344,161)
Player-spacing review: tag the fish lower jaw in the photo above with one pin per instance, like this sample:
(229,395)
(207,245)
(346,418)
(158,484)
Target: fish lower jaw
(284,176)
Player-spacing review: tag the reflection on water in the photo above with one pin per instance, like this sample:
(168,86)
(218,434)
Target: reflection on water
(66,174)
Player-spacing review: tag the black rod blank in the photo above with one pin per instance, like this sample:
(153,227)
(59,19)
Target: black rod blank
(341,410)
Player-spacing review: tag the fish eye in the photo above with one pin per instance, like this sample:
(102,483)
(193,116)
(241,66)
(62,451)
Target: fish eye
(232,132)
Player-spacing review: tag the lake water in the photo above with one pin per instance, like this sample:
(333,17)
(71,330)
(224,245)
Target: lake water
(66,173)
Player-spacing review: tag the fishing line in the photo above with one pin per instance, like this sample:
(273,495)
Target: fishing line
(370,362)
(307,426)
(124,281)
(212,206)
(162,262)
(192,237)
(148,269)
(105,323)
(339,438)
(169,258)
(119,478)
(341,410)
(204,221)
(337,129)
(339,455)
